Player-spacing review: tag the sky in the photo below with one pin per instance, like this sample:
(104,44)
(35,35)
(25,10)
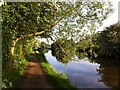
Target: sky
(113,18)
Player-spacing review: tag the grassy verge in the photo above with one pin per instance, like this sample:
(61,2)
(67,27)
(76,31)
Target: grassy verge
(10,80)
(59,80)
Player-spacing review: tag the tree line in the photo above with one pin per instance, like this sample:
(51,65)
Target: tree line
(104,44)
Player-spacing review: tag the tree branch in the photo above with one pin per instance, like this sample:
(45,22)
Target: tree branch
(30,35)
(83,16)
(41,32)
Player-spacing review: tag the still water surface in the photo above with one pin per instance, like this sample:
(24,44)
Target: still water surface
(82,74)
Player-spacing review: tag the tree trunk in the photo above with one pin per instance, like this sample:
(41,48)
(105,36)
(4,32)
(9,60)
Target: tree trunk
(11,56)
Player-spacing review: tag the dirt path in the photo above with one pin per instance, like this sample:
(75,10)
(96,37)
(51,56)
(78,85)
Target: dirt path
(34,77)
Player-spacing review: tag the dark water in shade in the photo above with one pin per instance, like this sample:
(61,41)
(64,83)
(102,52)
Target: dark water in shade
(84,74)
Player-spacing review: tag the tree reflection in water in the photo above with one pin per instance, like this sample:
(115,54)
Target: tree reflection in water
(109,71)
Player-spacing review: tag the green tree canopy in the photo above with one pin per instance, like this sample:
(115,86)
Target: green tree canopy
(48,19)
(109,41)
(29,19)
(64,50)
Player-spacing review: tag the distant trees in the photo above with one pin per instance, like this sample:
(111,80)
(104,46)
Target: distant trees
(87,47)
(109,42)
(104,44)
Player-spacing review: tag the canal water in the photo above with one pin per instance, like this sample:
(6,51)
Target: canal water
(85,74)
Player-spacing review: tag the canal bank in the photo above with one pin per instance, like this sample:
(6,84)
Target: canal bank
(86,74)
(58,80)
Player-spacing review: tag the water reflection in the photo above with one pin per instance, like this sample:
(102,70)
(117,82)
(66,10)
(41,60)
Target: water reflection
(110,76)
(83,74)
(109,72)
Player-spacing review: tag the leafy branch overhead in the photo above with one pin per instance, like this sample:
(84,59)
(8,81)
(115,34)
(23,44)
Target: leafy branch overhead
(55,20)
(29,19)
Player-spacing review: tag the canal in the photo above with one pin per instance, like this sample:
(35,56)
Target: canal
(86,74)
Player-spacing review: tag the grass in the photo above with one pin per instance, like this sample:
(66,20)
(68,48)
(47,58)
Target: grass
(58,80)
(9,80)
